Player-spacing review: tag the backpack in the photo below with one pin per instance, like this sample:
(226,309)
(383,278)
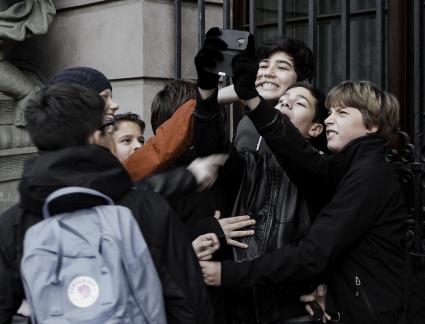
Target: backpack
(90,266)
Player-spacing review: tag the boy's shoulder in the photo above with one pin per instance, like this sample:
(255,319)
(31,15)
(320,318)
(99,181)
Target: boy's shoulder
(146,205)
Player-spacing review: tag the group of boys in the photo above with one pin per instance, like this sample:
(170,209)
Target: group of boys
(337,220)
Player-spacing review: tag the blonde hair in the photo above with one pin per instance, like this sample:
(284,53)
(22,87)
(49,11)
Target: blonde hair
(378,107)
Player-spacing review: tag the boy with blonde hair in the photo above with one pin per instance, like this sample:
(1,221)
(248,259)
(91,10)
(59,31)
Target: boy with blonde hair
(357,236)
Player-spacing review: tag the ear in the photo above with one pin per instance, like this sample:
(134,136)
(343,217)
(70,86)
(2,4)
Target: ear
(372,129)
(315,130)
(97,138)
(102,139)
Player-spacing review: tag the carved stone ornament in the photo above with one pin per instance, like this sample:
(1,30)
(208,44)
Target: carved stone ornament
(18,20)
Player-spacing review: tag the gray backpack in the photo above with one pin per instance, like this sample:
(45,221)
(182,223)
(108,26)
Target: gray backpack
(90,266)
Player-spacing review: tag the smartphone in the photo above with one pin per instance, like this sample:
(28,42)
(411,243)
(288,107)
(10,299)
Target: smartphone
(237,41)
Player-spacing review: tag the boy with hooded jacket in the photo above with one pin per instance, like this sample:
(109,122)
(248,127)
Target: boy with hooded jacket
(63,122)
(357,237)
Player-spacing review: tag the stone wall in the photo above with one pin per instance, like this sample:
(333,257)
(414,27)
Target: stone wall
(131,41)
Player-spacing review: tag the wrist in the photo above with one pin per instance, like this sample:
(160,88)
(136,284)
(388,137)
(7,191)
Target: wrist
(253,103)
(206,93)
(207,81)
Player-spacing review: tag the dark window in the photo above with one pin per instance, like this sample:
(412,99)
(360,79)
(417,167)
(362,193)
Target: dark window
(330,70)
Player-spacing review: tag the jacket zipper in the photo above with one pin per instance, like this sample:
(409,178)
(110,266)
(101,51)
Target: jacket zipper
(360,291)
(274,189)
(257,320)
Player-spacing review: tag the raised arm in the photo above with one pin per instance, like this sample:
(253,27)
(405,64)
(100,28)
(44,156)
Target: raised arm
(172,139)
(304,165)
(227,95)
(208,128)
(209,135)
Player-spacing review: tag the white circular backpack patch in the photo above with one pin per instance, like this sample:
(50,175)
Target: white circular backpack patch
(83,291)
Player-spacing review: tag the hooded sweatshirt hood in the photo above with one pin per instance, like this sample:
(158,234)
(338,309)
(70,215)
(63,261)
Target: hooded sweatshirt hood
(88,166)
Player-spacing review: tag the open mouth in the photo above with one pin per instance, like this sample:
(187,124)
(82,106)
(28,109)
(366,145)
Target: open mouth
(331,133)
(108,118)
(267,86)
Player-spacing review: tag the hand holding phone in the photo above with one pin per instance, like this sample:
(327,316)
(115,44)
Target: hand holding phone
(208,57)
(237,42)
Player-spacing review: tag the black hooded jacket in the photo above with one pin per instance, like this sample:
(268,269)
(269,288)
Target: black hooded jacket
(94,167)
(357,236)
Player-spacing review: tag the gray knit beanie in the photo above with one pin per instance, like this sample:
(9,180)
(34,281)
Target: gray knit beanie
(84,76)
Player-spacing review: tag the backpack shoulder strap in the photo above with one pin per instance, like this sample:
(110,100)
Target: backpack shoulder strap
(71,190)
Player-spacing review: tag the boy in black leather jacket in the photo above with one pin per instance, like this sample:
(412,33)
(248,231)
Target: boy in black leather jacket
(357,236)
(263,190)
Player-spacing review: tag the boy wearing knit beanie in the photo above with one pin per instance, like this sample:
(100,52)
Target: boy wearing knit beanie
(93,79)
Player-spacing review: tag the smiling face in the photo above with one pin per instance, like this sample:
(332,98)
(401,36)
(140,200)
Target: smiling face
(299,105)
(127,137)
(110,106)
(343,125)
(275,74)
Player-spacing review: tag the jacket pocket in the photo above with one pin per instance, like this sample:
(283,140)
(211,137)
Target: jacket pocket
(361,293)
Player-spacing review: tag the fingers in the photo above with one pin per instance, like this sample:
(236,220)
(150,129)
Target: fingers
(213,31)
(217,214)
(205,258)
(250,50)
(307,298)
(219,159)
(237,244)
(212,38)
(205,255)
(241,233)
(327,317)
(321,290)
(309,310)
(212,55)
(211,272)
(236,219)
(241,224)
(205,245)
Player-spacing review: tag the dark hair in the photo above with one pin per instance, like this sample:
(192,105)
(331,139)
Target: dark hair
(321,114)
(63,115)
(128,117)
(166,101)
(302,55)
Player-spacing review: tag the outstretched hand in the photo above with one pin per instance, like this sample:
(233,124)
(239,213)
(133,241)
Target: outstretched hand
(207,57)
(205,169)
(231,227)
